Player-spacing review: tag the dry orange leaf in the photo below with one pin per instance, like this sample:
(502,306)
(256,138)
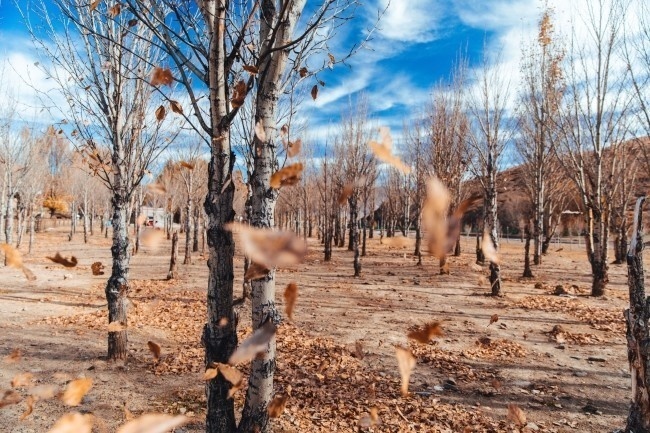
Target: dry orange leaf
(68,263)
(14,356)
(253,345)
(290,296)
(277,405)
(176,107)
(405,363)
(97,268)
(116,327)
(488,248)
(293,147)
(44,392)
(94,5)
(10,397)
(155,350)
(383,151)
(73,423)
(256,271)
(76,390)
(29,401)
(434,217)
(286,176)
(160,113)
(231,374)
(114,10)
(426,333)
(162,76)
(153,423)
(210,373)
(187,165)
(238,94)
(314,92)
(269,247)
(493,319)
(516,415)
(369,419)
(12,256)
(398,242)
(253,70)
(21,380)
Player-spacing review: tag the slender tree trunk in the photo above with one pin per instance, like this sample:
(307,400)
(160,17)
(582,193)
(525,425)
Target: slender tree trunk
(329,223)
(353,236)
(32,219)
(480,257)
(92,218)
(117,287)
(599,264)
(528,273)
(174,257)
(363,239)
(73,217)
(538,220)
(196,226)
(457,248)
(490,221)
(85,222)
(21,225)
(188,229)
(9,220)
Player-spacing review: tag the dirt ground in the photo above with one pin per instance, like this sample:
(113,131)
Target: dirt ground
(561,359)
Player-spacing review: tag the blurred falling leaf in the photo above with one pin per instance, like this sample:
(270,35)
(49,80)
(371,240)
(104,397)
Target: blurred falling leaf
(426,333)
(94,5)
(116,327)
(290,297)
(176,107)
(488,248)
(59,259)
(256,271)
(155,350)
(29,402)
(76,390)
(238,94)
(406,363)
(156,188)
(152,238)
(269,247)
(493,319)
(369,419)
(73,423)
(153,423)
(348,189)
(44,392)
(10,397)
(293,147)
(253,345)
(314,92)
(277,405)
(114,10)
(286,176)
(259,132)
(14,356)
(97,268)
(141,219)
(434,217)
(231,374)
(162,76)
(383,151)
(160,113)
(12,256)
(21,380)
(210,373)
(132,22)
(397,242)
(187,165)
(253,70)
(303,72)
(516,415)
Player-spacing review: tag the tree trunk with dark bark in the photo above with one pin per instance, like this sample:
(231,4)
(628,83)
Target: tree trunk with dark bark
(528,273)
(174,257)
(195,234)
(480,257)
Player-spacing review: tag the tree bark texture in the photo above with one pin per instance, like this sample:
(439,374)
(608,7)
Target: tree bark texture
(528,273)
(174,257)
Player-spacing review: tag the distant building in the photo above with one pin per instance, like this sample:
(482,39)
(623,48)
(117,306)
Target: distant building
(155,217)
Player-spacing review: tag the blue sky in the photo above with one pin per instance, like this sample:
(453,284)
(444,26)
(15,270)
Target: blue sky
(412,49)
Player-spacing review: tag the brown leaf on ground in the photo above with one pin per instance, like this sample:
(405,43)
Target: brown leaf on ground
(14,356)
(277,405)
(426,333)
(22,380)
(269,248)
(493,319)
(253,345)
(153,423)
(256,271)
(286,176)
(290,297)
(10,397)
(383,151)
(162,76)
(155,350)
(97,268)
(405,363)
(59,259)
(73,423)
(516,415)
(76,390)
(29,402)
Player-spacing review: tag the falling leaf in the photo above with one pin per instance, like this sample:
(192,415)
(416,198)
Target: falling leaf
(114,10)
(369,419)
(426,333)
(10,397)
(160,113)
(176,107)
(253,345)
(269,247)
(383,151)
(277,405)
(97,268)
(238,94)
(162,76)
(12,256)
(187,165)
(28,274)
(303,72)
(22,380)
(253,70)
(44,392)
(293,147)
(210,373)
(406,363)
(156,188)
(141,219)
(259,132)
(153,423)
(290,296)
(29,402)
(73,423)
(132,22)
(286,176)
(398,242)
(76,390)
(116,327)
(516,415)
(94,5)
(488,248)
(155,350)
(14,356)
(152,238)
(493,319)
(284,130)
(256,271)
(231,374)
(314,92)
(348,189)
(68,263)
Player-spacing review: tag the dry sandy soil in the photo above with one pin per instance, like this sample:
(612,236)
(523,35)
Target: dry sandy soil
(338,354)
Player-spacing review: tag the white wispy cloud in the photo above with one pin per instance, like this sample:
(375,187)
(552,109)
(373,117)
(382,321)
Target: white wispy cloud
(413,21)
